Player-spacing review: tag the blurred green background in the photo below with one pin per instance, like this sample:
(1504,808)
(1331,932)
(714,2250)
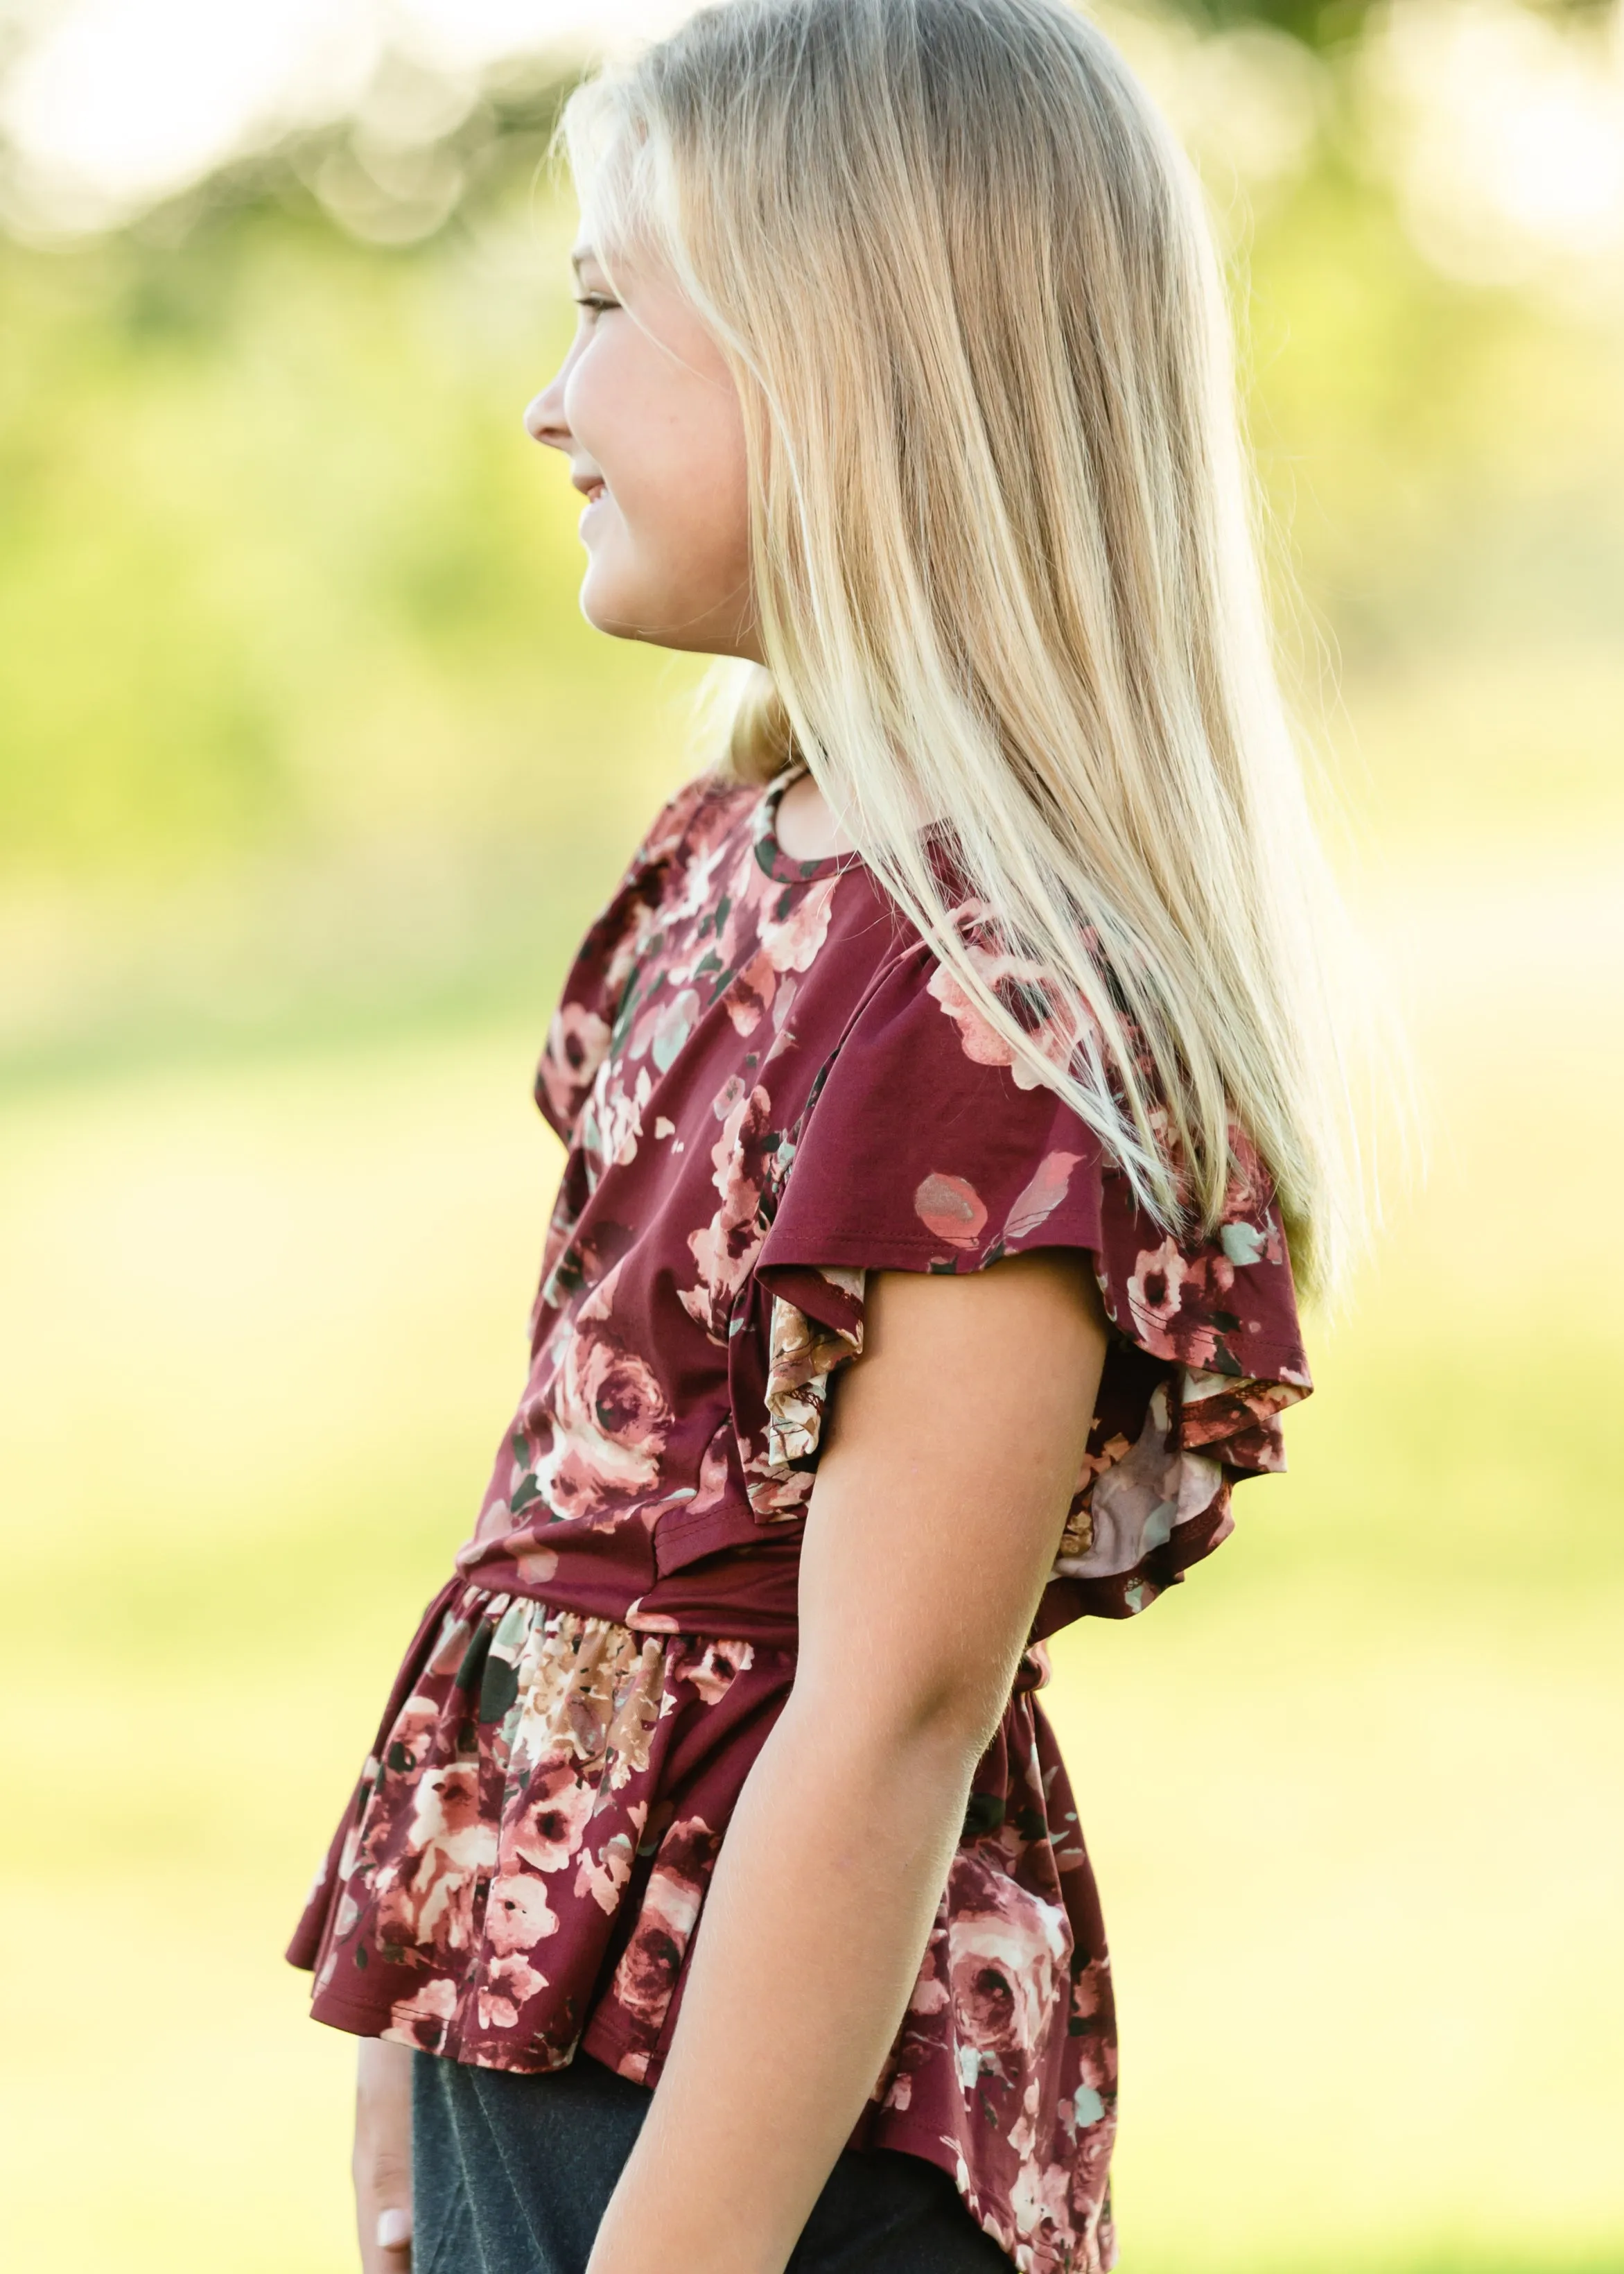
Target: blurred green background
(309,776)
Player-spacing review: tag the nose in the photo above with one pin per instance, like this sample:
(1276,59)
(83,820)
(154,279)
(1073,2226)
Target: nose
(544,416)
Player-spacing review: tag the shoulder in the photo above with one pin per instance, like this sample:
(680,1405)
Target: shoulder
(704,812)
(931,1144)
(916,1031)
(706,818)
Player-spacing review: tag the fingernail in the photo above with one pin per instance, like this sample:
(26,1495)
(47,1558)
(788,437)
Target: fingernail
(394,2229)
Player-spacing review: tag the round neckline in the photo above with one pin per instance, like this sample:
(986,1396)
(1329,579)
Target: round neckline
(778,864)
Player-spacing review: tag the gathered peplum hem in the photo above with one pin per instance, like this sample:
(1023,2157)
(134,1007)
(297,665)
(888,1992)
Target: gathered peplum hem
(532,1832)
(523,1870)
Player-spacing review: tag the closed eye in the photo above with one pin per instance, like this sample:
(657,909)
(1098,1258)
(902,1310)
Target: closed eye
(597,301)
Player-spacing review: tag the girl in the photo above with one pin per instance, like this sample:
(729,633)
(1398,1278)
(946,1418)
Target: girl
(943,1089)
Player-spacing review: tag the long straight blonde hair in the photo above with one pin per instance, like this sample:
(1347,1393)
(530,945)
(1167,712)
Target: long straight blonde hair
(1003,548)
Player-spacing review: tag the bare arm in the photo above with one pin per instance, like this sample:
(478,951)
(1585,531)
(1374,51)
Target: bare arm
(381,2164)
(940,1499)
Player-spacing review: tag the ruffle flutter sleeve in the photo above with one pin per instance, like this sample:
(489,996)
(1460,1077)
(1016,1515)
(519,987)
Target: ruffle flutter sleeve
(599,988)
(925,1148)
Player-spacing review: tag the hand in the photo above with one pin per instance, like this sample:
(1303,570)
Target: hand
(382,2165)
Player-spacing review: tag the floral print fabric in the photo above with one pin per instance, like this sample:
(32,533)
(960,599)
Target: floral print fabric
(768,1088)
(536,1756)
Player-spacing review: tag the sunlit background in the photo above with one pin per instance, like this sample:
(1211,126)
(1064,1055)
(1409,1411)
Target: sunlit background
(310,775)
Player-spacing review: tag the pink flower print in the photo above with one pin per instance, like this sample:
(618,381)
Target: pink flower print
(727,1247)
(951,1207)
(609,1418)
(1022,985)
(1041,1195)
(1243,1202)
(1093,2243)
(517,1914)
(613,1125)
(791,942)
(776,1492)
(1156,1291)
(702,887)
(1022,2134)
(1005,1950)
(495,1518)
(1138,1502)
(576,1042)
(421,2019)
(604,1876)
(1041,2198)
(448,1648)
(980,1041)
(801,1347)
(1210,1279)
(752,991)
(1174,1298)
(783,1004)
(794,1419)
(569,1676)
(1241,1417)
(637,1712)
(507,1983)
(1091,2034)
(785,947)
(675,1023)
(622,1393)
(1096,2074)
(714,1480)
(446,1846)
(714,1674)
(409,1744)
(648,1970)
(803,1354)
(557,1805)
(930,1994)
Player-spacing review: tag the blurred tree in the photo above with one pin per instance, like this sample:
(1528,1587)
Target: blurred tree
(1327,24)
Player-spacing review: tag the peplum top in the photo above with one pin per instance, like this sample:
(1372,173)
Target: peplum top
(768,1086)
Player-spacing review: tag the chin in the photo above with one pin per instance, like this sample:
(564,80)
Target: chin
(606,610)
(610,600)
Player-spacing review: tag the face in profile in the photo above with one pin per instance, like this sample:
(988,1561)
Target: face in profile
(645,409)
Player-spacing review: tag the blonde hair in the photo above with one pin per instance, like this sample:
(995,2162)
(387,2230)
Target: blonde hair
(1000,531)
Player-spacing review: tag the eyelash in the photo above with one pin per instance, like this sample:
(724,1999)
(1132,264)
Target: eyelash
(598,301)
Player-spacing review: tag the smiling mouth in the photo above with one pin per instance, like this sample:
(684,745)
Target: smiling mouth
(593,492)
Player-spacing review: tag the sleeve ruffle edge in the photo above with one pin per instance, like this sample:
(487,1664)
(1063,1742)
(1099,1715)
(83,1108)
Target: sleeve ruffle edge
(1148,1506)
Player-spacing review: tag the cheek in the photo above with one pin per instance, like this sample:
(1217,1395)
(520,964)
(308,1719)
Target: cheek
(668,551)
(687,510)
(680,500)
(590,406)
(671,451)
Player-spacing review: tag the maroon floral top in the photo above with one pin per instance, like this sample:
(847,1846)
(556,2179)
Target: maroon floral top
(768,1087)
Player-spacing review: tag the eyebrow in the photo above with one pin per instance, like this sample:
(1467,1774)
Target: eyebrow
(579,255)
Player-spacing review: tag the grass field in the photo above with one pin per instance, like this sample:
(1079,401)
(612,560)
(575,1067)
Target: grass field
(1353,1792)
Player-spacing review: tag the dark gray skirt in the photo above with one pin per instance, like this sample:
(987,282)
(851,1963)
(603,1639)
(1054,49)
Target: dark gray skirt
(512,2174)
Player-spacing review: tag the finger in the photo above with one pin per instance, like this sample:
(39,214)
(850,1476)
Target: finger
(395,2233)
